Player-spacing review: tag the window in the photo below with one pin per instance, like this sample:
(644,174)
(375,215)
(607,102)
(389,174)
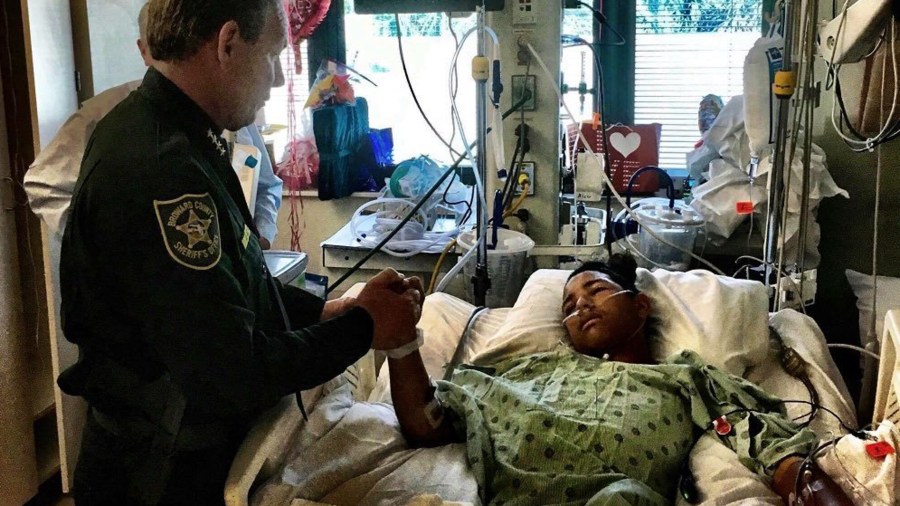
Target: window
(276,110)
(577,64)
(685,50)
(428,46)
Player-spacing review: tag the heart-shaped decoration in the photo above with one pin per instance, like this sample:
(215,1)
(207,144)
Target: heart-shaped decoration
(625,144)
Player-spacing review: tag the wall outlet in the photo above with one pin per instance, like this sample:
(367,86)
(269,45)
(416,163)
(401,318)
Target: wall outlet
(526,168)
(523,12)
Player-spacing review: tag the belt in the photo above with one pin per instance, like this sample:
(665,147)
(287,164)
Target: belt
(190,437)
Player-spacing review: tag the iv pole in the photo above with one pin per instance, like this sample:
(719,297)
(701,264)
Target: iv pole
(481,280)
(776,175)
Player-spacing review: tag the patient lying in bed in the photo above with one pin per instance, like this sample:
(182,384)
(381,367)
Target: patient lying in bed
(599,423)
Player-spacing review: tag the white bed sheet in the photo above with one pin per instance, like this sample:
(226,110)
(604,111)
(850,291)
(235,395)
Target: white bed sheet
(355,454)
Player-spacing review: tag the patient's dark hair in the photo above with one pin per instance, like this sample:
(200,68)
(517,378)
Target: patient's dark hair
(621,268)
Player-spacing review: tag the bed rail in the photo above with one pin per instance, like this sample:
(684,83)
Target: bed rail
(887,397)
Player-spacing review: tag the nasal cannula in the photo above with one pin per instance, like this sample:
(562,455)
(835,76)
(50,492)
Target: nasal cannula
(577,312)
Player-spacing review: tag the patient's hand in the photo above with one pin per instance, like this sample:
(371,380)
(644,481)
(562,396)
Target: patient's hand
(395,308)
(825,492)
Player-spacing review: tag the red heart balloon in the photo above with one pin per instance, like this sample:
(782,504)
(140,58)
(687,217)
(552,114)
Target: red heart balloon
(304,16)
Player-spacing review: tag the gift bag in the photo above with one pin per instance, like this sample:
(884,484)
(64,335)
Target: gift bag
(630,149)
(342,133)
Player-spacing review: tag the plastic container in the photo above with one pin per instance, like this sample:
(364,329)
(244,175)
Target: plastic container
(286,266)
(678,226)
(506,266)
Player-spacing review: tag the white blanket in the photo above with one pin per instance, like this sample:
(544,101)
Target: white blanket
(354,454)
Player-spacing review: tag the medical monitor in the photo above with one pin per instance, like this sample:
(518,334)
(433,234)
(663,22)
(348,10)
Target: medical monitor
(417,6)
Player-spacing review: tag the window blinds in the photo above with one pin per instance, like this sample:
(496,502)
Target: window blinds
(685,50)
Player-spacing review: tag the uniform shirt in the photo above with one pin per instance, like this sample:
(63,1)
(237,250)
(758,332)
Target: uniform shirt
(162,275)
(565,428)
(50,180)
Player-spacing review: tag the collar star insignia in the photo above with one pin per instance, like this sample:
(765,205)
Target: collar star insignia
(217,141)
(195,229)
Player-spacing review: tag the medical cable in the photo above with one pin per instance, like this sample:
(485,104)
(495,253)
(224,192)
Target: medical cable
(796,500)
(808,106)
(512,182)
(814,401)
(512,167)
(847,428)
(779,271)
(521,132)
(794,364)
(458,353)
(438,264)
(870,143)
(523,146)
(859,349)
(607,166)
(459,125)
(790,145)
(889,130)
(459,266)
(413,238)
(453,107)
(397,229)
(873,324)
(454,84)
(518,203)
(602,20)
(608,180)
(412,90)
(412,212)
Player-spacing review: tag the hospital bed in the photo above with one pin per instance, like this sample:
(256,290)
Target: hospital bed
(352,452)
(887,406)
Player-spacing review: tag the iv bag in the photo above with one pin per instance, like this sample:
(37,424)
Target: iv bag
(760,104)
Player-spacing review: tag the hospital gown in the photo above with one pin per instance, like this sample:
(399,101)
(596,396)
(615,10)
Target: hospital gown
(566,428)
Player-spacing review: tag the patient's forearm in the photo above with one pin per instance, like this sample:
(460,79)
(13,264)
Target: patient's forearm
(825,491)
(412,393)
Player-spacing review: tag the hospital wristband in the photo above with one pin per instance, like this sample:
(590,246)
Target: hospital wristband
(407,348)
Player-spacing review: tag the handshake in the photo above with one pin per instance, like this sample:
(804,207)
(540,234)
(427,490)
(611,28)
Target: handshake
(394,303)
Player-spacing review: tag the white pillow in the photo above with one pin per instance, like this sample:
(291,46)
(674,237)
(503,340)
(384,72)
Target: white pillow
(723,319)
(534,323)
(888,298)
(443,321)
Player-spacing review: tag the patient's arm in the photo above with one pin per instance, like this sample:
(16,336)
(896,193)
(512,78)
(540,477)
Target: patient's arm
(825,491)
(413,395)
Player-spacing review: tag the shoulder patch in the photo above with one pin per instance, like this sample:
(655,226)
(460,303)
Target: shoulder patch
(190,230)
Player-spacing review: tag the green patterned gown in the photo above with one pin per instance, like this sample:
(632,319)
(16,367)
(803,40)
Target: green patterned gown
(566,428)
